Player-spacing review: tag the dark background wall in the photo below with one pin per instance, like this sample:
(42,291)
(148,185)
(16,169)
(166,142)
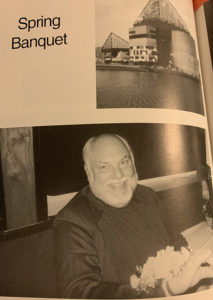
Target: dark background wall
(159,150)
(27,266)
(208,9)
(27,263)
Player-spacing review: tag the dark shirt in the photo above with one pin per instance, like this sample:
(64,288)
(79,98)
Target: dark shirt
(98,247)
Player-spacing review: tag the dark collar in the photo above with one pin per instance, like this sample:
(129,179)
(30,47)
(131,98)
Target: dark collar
(98,206)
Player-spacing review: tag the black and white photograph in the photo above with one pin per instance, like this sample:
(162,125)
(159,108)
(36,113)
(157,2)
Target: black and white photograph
(109,210)
(146,55)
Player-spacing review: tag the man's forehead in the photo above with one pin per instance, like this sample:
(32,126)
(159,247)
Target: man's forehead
(109,144)
(107,147)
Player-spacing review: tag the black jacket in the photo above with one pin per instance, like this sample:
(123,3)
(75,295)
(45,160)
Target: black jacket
(96,254)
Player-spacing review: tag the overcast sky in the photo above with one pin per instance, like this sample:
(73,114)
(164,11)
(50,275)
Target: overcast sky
(118,15)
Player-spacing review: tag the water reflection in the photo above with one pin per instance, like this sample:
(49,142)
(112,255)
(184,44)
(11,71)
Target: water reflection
(125,89)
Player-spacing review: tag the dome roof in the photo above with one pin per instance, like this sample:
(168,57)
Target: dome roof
(161,10)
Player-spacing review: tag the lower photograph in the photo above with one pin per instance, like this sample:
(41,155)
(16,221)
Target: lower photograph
(105,211)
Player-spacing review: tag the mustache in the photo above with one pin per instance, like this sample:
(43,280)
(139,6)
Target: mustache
(123,179)
(119,181)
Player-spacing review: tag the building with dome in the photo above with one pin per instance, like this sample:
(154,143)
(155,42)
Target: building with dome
(160,36)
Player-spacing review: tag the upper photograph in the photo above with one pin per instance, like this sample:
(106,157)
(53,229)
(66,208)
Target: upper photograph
(146,55)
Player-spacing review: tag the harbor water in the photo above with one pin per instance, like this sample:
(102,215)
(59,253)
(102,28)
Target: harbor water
(134,89)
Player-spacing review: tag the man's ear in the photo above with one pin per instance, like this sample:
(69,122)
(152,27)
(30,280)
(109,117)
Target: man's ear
(132,159)
(133,162)
(87,171)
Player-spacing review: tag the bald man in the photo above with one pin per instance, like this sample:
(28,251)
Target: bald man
(112,226)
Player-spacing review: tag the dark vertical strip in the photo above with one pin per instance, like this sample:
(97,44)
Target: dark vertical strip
(208,9)
(41,197)
(3,221)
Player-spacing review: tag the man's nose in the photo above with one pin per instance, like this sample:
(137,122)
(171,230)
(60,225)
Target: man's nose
(117,173)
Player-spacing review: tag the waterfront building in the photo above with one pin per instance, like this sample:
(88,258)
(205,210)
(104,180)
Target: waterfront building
(183,53)
(114,46)
(143,44)
(159,35)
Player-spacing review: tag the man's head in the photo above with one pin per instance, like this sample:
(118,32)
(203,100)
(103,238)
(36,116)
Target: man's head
(110,169)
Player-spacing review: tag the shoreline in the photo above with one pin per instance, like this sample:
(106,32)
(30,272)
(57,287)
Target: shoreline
(119,67)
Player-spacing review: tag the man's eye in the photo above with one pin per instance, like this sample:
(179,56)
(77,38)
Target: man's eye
(102,168)
(125,162)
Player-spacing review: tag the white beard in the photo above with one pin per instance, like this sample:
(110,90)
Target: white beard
(115,193)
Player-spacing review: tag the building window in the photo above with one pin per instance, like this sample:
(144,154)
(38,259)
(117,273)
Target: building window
(142,35)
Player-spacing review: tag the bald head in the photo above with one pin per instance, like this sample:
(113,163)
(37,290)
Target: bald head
(110,168)
(104,141)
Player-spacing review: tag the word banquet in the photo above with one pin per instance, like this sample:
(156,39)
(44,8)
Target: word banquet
(43,42)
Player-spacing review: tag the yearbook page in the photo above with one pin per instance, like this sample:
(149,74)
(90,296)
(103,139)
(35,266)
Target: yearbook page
(105,170)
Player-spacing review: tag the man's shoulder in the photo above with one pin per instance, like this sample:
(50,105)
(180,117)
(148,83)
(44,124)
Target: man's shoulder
(147,196)
(77,209)
(145,190)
